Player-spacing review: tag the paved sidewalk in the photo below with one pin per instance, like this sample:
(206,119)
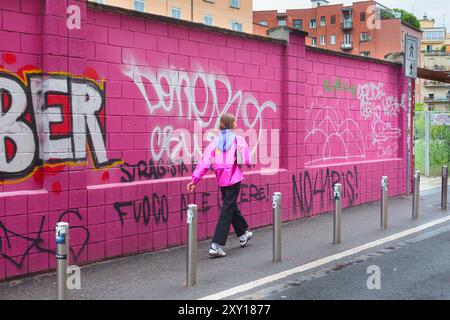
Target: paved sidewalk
(161,275)
(427,183)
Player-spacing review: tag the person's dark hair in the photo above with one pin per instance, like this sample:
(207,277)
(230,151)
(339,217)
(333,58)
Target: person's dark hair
(226,121)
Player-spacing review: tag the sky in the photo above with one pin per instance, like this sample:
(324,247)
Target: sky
(435,9)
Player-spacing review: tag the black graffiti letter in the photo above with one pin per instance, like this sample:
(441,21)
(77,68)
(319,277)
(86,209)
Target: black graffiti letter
(146,210)
(118,206)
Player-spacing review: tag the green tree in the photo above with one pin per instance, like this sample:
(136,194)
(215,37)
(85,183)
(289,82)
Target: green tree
(420,106)
(408,17)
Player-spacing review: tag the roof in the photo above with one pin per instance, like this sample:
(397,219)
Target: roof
(352,56)
(151,16)
(291,30)
(202,26)
(410,26)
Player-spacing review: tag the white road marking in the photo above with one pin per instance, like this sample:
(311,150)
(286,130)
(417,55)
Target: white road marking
(278,276)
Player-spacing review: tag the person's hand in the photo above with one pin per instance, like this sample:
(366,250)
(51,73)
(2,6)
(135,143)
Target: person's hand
(190,187)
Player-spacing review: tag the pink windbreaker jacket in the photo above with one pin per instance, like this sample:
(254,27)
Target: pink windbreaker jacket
(222,154)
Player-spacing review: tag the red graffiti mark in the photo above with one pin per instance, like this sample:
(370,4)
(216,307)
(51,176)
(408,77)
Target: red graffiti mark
(56,187)
(28,118)
(105,176)
(9,58)
(53,170)
(26,68)
(63,128)
(11,149)
(39,176)
(6,101)
(91,73)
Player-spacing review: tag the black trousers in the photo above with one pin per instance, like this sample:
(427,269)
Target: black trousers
(229,214)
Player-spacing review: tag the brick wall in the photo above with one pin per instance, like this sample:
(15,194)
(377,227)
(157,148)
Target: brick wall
(94,120)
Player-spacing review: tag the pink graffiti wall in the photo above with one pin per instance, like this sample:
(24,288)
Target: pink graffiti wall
(102,126)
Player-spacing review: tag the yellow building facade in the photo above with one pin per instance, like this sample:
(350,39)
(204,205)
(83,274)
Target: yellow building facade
(435,47)
(434,38)
(229,14)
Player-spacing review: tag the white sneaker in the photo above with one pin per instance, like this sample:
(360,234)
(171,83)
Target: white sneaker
(247,236)
(216,253)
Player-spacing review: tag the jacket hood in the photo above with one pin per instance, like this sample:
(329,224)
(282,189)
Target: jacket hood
(225,140)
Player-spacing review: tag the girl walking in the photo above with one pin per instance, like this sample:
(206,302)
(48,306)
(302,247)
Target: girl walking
(225,153)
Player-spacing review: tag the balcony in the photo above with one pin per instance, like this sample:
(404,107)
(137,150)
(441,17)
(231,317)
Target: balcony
(347,25)
(436,84)
(347,45)
(439,68)
(437,100)
(435,53)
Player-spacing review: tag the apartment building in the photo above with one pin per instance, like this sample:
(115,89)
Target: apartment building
(229,14)
(365,28)
(435,47)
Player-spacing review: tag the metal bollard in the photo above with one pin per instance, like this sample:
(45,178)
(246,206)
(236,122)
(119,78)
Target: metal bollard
(337,214)
(191,270)
(384,202)
(62,259)
(444,188)
(276,205)
(415,208)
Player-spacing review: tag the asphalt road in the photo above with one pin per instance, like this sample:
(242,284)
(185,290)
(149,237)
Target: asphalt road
(415,269)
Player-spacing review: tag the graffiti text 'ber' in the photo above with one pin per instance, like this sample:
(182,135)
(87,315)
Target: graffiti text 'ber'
(49,118)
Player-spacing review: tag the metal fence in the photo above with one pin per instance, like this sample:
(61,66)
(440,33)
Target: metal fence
(432,141)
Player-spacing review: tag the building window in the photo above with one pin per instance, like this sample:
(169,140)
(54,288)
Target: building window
(365,37)
(333,20)
(347,19)
(437,35)
(347,40)
(347,37)
(281,22)
(323,21)
(323,40)
(333,39)
(313,23)
(208,20)
(365,53)
(139,5)
(297,24)
(236,26)
(235,4)
(363,16)
(264,23)
(314,41)
(176,13)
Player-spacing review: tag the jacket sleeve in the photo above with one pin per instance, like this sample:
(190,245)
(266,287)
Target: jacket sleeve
(243,149)
(204,164)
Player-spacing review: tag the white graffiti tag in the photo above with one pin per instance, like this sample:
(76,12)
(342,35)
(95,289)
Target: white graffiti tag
(197,96)
(338,138)
(374,104)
